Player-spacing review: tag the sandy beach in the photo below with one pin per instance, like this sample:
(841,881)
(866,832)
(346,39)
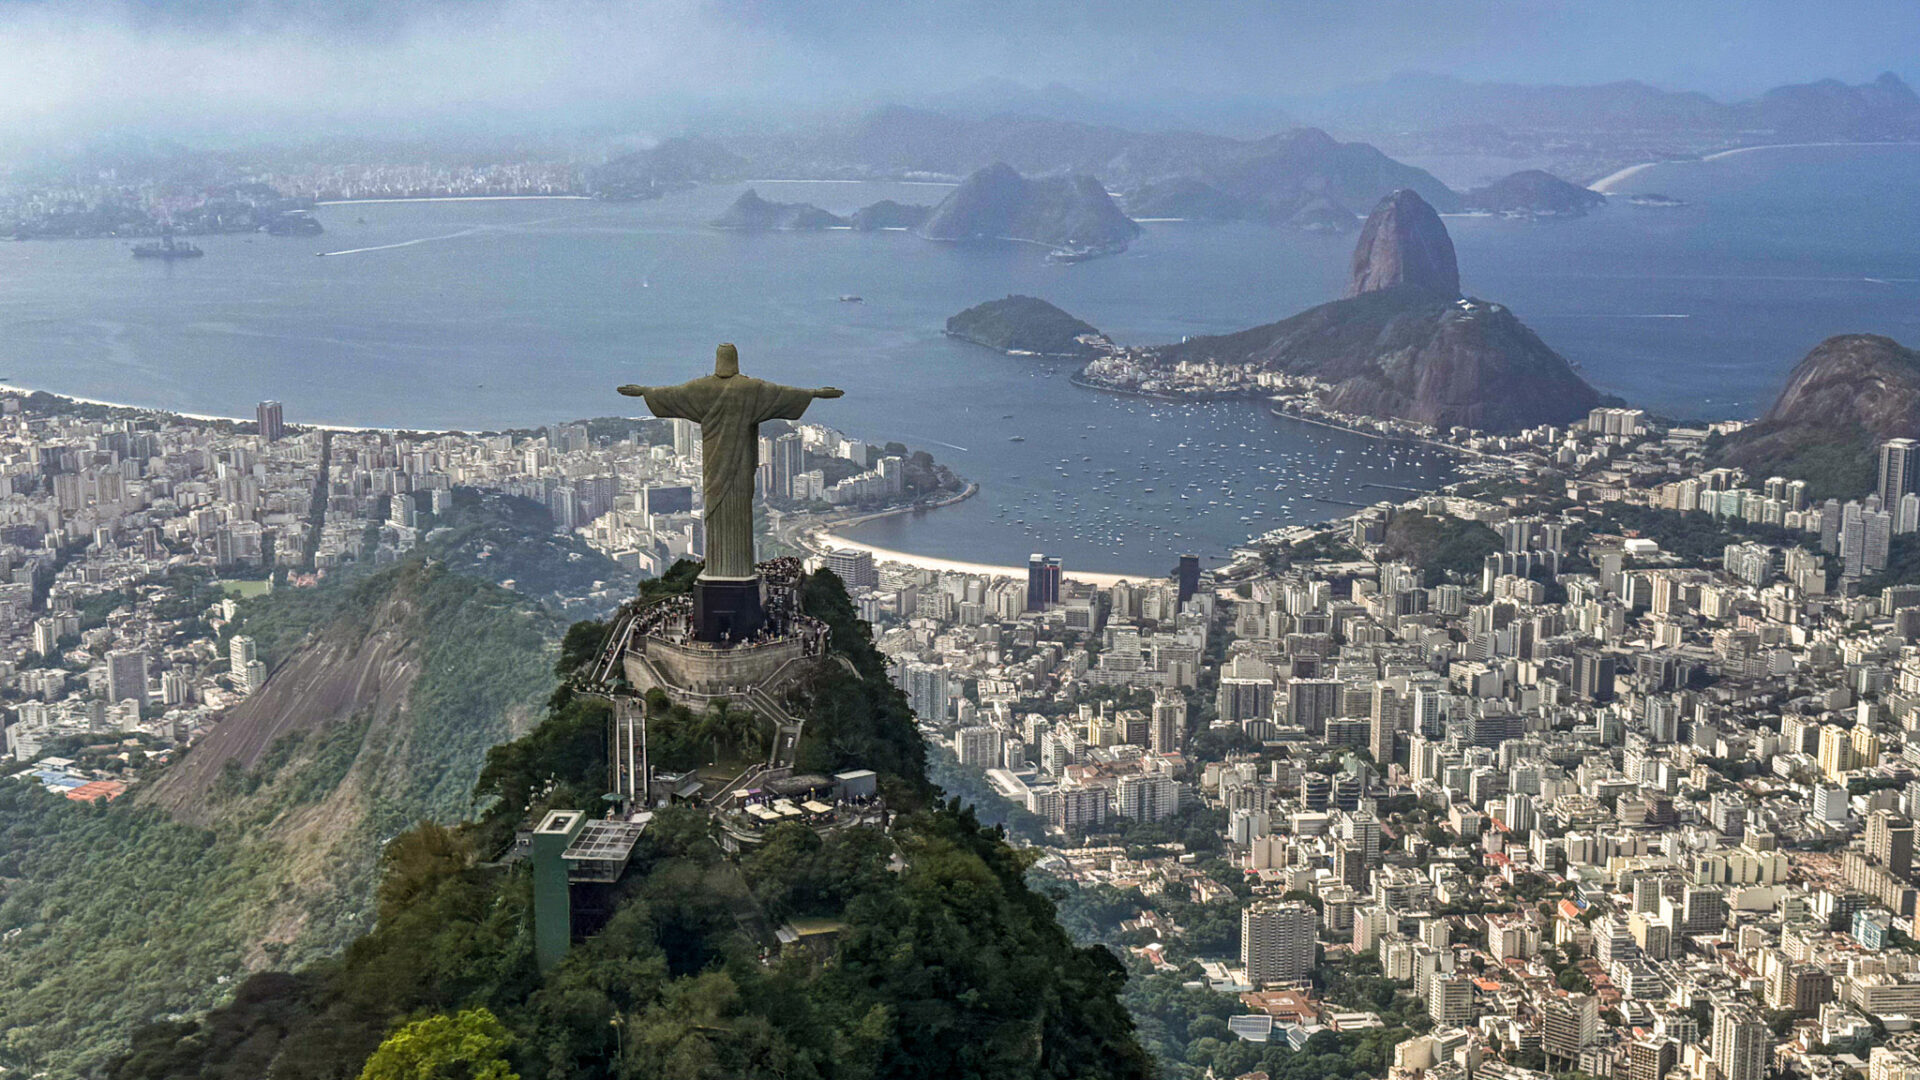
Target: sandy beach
(1607,183)
(823,539)
(826,540)
(13,388)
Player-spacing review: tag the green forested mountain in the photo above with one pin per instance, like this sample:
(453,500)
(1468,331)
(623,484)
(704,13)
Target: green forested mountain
(947,964)
(259,847)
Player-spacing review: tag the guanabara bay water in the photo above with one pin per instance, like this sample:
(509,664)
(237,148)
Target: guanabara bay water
(491,314)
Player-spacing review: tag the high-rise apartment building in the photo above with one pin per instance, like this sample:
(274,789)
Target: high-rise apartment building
(248,671)
(855,568)
(1890,842)
(1043,581)
(1277,941)
(1899,471)
(127,676)
(1568,1025)
(1450,1002)
(1168,731)
(1651,1058)
(1741,1041)
(1188,576)
(271,420)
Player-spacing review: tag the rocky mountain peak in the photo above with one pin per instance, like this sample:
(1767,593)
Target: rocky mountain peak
(1404,243)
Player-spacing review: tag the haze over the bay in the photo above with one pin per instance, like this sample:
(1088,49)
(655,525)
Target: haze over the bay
(282,69)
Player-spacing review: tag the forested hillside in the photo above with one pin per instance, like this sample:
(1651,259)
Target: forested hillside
(947,965)
(259,847)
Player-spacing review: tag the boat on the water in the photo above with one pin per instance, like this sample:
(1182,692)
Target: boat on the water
(166,248)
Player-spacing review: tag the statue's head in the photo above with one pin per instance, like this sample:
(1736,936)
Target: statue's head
(726,361)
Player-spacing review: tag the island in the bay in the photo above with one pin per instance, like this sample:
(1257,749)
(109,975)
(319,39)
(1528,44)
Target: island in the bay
(1533,193)
(1027,326)
(1071,215)
(1074,215)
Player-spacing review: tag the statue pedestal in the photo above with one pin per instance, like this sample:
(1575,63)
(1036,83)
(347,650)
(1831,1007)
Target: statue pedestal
(727,609)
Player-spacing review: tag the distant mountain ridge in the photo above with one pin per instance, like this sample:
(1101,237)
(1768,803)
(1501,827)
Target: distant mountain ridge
(1301,177)
(1417,101)
(1217,177)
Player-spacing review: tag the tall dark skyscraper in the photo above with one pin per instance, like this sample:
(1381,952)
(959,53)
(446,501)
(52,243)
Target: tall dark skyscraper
(272,423)
(1899,471)
(1593,674)
(1043,581)
(1189,575)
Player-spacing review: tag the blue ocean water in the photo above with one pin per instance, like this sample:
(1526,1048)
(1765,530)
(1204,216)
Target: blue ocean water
(493,314)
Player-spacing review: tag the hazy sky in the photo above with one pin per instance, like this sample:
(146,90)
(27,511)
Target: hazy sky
(69,69)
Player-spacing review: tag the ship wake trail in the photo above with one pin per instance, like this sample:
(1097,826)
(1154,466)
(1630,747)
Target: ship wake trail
(447,236)
(948,445)
(403,243)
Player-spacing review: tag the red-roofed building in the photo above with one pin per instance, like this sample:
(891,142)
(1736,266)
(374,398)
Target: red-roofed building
(1286,1006)
(98,789)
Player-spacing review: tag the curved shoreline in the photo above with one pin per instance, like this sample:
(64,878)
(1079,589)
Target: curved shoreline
(211,418)
(825,537)
(1080,380)
(1607,183)
(819,538)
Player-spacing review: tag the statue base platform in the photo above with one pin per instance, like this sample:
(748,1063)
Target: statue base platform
(727,609)
(731,636)
(694,672)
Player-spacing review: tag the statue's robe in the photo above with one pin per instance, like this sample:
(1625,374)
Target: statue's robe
(729,412)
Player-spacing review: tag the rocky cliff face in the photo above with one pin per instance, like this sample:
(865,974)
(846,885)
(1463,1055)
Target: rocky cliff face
(378,719)
(1851,379)
(1404,243)
(1851,392)
(997,203)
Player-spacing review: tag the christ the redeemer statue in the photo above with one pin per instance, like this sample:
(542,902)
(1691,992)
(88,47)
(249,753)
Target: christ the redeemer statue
(729,407)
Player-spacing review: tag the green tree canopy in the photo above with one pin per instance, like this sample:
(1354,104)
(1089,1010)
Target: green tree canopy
(469,1045)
